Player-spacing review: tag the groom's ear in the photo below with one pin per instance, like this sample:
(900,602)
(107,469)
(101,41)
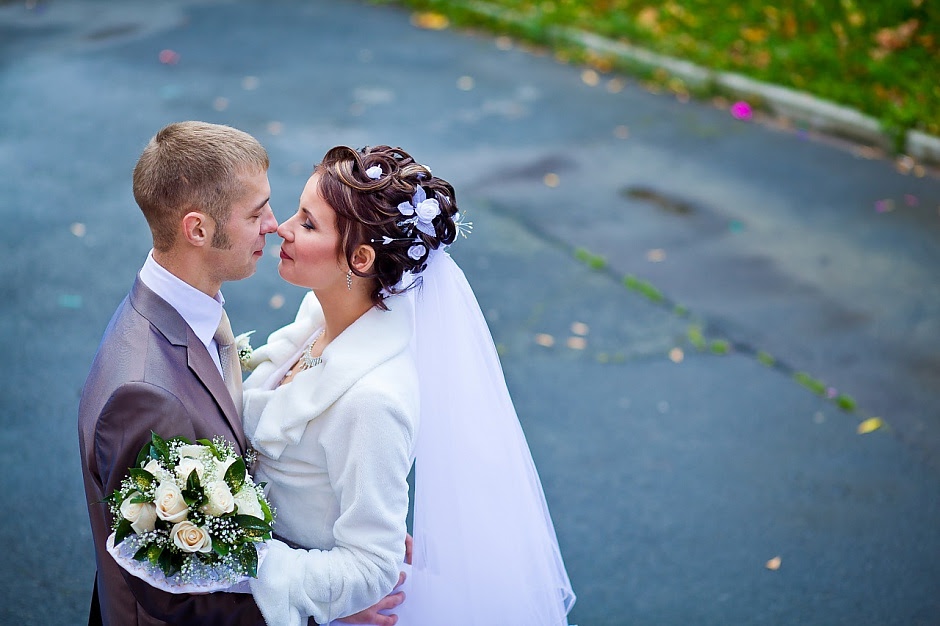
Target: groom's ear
(363,258)
(197,228)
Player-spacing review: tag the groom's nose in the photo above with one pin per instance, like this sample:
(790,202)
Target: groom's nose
(268,222)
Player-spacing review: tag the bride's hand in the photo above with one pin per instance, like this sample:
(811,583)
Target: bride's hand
(409,548)
(372,616)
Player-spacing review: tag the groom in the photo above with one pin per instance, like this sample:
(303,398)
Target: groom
(204,191)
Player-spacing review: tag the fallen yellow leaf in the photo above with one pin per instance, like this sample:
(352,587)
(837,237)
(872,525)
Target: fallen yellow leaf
(869,425)
(773,564)
(430,21)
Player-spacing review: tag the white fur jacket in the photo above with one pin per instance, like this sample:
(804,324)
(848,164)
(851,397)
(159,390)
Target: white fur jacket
(335,446)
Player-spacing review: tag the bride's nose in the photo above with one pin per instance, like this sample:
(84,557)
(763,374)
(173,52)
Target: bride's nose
(284,230)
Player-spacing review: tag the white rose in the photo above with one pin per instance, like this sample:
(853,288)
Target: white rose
(154,468)
(186,466)
(220,501)
(248,504)
(169,503)
(191,451)
(428,209)
(141,515)
(190,538)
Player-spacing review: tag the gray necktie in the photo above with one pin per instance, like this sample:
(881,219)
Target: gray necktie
(228,355)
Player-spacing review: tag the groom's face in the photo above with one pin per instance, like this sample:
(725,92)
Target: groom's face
(251,218)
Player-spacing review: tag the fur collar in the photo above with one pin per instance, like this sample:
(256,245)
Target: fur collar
(277,418)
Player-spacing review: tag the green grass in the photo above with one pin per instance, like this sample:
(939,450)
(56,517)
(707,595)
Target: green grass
(882,57)
(594,261)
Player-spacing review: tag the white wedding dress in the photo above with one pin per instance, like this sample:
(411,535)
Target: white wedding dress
(485,547)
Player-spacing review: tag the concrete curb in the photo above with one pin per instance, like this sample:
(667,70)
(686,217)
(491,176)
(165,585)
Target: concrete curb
(818,114)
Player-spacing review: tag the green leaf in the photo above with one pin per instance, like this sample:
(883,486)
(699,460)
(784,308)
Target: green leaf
(193,494)
(235,475)
(221,548)
(248,557)
(208,443)
(169,562)
(154,552)
(179,440)
(141,478)
(720,346)
(160,446)
(122,531)
(141,554)
(253,527)
(143,455)
(268,513)
(141,500)
(846,402)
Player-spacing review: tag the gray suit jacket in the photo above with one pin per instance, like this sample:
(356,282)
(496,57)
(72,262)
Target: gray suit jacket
(151,373)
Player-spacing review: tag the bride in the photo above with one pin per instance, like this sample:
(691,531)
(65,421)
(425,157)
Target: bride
(389,362)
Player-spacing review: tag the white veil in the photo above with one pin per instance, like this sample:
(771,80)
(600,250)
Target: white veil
(485,550)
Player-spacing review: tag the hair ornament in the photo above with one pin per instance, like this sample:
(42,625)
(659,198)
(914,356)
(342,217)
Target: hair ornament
(417,251)
(375,172)
(464,228)
(421,212)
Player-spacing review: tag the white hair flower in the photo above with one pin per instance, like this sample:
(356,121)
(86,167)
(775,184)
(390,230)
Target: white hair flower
(375,172)
(417,251)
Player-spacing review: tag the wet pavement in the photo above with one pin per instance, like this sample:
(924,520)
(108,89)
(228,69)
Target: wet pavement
(674,475)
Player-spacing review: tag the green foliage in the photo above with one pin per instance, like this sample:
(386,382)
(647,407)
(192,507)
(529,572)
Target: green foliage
(846,402)
(193,495)
(235,475)
(643,287)
(696,338)
(878,57)
(247,557)
(208,443)
(594,261)
(720,346)
(142,479)
(816,386)
(765,358)
(123,530)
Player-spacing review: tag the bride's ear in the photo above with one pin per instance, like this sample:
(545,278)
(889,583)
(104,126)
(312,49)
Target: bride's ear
(363,258)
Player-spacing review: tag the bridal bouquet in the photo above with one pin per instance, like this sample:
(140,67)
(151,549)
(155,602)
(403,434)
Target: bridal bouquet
(189,517)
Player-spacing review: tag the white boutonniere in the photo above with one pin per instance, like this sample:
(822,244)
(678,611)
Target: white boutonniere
(243,345)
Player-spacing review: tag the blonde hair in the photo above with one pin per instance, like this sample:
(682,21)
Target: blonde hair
(193,166)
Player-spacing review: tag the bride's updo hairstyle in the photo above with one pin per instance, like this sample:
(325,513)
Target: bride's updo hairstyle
(366,189)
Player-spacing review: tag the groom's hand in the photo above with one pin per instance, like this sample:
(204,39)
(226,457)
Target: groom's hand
(372,616)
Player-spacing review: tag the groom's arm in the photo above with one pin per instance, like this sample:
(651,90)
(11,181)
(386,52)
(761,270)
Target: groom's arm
(124,426)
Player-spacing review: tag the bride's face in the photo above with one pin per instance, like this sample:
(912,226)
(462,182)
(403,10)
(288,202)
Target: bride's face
(310,254)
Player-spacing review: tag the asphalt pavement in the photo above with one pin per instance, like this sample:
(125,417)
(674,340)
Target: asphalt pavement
(686,486)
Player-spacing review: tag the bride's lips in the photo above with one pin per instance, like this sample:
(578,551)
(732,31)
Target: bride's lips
(285,256)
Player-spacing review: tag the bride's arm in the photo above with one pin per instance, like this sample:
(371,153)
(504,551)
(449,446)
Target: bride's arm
(368,441)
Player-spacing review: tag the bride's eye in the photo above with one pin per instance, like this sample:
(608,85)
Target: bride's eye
(308,225)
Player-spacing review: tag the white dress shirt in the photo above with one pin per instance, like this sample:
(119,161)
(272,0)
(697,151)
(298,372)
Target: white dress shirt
(200,311)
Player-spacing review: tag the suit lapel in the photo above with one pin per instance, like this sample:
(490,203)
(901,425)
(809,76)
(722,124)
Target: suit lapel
(171,324)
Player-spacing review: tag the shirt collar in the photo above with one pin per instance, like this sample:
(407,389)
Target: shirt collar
(201,312)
